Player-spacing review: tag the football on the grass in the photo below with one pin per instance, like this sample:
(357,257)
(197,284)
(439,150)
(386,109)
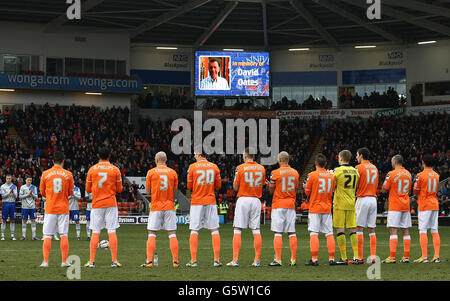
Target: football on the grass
(104,244)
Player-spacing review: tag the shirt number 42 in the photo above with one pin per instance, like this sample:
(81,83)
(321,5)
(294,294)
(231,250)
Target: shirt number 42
(254,179)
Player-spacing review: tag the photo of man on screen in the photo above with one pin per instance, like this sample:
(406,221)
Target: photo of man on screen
(214,81)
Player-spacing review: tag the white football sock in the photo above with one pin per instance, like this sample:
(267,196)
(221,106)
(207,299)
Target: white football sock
(12,227)
(24,228)
(33,229)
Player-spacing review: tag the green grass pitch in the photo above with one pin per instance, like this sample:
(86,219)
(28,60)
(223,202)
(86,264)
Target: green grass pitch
(20,260)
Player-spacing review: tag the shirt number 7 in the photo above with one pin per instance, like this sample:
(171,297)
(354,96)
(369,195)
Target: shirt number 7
(104,177)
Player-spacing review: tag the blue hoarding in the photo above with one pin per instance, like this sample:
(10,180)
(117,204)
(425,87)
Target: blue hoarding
(304,78)
(163,77)
(70,83)
(377,76)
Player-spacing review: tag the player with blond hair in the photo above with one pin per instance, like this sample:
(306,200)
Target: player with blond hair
(344,216)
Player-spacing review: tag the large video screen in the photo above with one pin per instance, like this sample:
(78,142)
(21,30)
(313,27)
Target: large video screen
(232,73)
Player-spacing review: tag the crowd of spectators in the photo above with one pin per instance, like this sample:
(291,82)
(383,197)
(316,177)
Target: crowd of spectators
(389,99)
(416,93)
(163,101)
(219,104)
(443,196)
(13,158)
(309,104)
(284,104)
(75,130)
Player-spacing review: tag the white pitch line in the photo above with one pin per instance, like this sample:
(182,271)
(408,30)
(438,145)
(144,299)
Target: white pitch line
(221,247)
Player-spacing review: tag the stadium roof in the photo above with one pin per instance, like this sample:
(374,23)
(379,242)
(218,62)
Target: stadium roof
(268,24)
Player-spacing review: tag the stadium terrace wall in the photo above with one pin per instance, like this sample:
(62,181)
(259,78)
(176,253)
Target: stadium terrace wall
(429,63)
(30,39)
(331,60)
(64,98)
(146,56)
(161,67)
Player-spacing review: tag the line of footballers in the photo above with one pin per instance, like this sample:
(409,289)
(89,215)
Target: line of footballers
(354,206)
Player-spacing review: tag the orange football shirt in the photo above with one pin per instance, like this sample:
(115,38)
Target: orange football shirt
(426,187)
(104,181)
(203,178)
(285,180)
(250,177)
(398,183)
(56,186)
(368,179)
(161,181)
(319,187)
